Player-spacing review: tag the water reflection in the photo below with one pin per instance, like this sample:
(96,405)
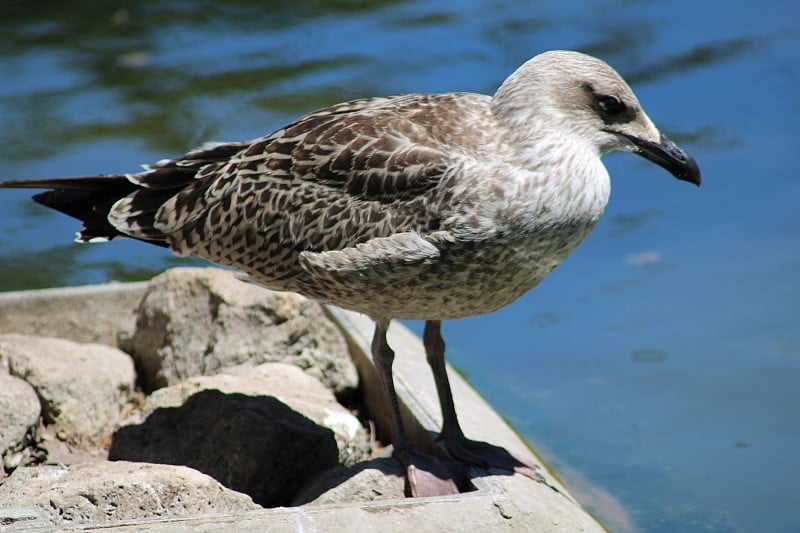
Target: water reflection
(152,95)
(639,259)
(648,355)
(39,269)
(71,264)
(696,57)
(711,139)
(625,223)
(546,319)
(148,93)
(415,20)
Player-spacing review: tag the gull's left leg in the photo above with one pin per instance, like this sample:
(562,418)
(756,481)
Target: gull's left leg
(425,474)
(478,453)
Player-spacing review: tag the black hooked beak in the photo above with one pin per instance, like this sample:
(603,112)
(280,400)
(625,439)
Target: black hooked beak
(668,155)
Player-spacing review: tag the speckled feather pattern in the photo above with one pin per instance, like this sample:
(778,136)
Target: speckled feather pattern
(416,206)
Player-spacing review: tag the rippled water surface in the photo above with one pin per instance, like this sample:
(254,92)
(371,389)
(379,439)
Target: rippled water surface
(657,369)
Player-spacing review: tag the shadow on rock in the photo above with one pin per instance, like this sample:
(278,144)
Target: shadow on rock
(252,444)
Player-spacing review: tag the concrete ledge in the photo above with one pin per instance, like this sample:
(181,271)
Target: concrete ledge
(500,502)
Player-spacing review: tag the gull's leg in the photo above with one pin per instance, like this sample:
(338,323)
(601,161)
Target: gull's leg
(426,475)
(473,452)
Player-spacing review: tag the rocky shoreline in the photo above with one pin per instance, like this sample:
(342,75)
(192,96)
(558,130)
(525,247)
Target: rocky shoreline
(197,394)
(197,402)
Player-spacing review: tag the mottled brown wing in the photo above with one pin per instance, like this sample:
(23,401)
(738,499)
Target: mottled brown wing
(333,179)
(374,149)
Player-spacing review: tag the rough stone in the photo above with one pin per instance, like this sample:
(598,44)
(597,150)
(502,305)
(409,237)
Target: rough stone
(246,431)
(378,479)
(202,321)
(291,386)
(19,413)
(105,492)
(82,387)
(91,313)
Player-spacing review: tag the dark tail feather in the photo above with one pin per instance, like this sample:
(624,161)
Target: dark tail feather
(88,199)
(114,183)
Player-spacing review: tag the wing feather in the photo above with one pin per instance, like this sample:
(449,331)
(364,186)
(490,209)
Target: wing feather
(329,181)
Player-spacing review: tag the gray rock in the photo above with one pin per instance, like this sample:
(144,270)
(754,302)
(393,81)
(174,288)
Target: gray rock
(256,445)
(202,321)
(23,518)
(247,431)
(19,413)
(378,479)
(104,492)
(91,313)
(291,386)
(82,387)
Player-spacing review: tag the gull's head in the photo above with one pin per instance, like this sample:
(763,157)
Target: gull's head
(584,101)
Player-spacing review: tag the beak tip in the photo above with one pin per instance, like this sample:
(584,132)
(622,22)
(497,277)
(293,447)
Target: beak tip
(693,172)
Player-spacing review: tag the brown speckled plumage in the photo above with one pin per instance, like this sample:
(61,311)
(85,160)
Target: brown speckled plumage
(431,206)
(383,197)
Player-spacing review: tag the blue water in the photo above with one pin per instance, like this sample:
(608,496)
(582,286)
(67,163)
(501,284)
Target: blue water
(657,369)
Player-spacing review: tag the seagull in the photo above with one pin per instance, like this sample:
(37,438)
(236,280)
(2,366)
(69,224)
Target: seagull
(416,206)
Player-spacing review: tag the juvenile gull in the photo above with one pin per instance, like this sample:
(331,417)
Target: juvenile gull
(420,206)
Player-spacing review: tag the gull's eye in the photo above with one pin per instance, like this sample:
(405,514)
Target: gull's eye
(610,104)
